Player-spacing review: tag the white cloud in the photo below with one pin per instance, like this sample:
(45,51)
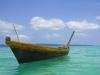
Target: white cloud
(81,34)
(82,25)
(7,27)
(21,37)
(24,36)
(54,24)
(54,35)
(98,17)
(57,24)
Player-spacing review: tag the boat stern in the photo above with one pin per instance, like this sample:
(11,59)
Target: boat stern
(7,40)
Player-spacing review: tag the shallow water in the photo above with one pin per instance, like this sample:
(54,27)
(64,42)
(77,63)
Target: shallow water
(82,60)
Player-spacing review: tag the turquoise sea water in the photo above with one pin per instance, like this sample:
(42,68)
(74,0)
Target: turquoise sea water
(82,60)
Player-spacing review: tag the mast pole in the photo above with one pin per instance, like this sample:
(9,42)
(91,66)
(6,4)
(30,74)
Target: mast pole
(16,32)
(69,40)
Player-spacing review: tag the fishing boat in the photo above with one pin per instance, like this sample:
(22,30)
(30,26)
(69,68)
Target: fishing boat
(26,52)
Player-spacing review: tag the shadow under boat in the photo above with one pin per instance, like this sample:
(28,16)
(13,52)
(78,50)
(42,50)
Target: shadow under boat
(42,67)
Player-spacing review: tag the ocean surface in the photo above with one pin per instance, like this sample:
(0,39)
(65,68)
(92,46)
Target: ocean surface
(82,60)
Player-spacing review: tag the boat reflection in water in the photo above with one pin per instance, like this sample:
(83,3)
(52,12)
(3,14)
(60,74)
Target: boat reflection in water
(46,67)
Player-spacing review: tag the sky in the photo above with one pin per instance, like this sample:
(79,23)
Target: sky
(51,21)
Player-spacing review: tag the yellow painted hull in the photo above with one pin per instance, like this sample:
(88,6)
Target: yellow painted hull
(25,52)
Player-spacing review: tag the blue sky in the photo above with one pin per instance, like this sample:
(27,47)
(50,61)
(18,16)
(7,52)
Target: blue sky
(51,21)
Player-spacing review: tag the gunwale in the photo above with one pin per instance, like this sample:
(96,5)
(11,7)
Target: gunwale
(32,47)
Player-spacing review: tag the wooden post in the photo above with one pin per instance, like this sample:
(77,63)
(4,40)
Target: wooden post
(16,32)
(69,40)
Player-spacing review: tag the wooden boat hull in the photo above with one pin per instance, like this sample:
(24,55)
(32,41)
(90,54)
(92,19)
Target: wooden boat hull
(28,56)
(31,52)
